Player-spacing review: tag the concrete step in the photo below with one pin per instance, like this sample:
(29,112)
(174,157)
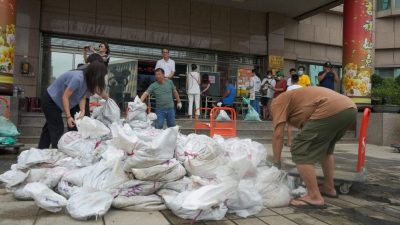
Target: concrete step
(240,124)
(31,124)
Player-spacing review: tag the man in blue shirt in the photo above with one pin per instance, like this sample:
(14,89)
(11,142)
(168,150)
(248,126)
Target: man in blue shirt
(328,77)
(229,95)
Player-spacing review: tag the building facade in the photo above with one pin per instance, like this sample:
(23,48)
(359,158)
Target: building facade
(221,38)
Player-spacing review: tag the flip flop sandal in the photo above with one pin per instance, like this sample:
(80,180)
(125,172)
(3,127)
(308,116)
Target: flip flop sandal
(308,205)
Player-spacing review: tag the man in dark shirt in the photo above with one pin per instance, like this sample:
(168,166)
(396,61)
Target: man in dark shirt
(328,77)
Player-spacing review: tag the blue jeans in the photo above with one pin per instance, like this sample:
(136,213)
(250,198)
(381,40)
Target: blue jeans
(165,114)
(255,104)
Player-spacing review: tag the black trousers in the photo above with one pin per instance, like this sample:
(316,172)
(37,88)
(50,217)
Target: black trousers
(76,109)
(53,129)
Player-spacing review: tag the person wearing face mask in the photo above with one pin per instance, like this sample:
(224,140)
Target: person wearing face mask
(281,84)
(292,71)
(304,79)
(267,93)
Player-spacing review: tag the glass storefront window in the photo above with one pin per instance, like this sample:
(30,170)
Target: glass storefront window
(78,59)
(396,72)
(384,72)
(314,70)
(60,63)
(397,4)
(384,4)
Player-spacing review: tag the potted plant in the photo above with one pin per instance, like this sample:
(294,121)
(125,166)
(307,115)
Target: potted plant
(385,94)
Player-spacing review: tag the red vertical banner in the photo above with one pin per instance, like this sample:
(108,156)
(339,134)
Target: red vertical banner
(358,49)
(7,44)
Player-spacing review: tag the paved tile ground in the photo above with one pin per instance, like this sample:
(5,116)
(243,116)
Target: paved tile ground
(377,202)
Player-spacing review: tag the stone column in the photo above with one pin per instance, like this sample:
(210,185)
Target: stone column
(358,49)
(276,41)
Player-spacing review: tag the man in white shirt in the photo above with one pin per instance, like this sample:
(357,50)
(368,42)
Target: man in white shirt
(254,88)
(167,64)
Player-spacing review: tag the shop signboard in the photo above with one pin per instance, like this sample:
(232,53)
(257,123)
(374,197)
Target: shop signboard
(243,81)
(275,62)
(7,44)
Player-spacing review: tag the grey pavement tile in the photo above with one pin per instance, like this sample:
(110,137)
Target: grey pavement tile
(277,220)
(358,201)
(7,197)
(175,220)
(120,217)
(48,218)
(18,213)
(386,209)
(374,217)
(232,216)
(330,217)
(250,221)
(304,219)
(266,212)
(340,203)
(283,210)
(394,207)
(225,222)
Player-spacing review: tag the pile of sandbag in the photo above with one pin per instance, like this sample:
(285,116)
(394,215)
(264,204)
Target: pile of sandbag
(136,116)
(109,162)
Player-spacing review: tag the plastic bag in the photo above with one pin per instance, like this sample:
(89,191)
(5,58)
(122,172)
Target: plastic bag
(105,177)
(76,176)
(48,176)
(223,116)
(91,128)
(252,114)
(137,110)
(273,186)
(122,140)
(139,188)
(153,152)
(13,177)
(19,193)
(45,197)
(187,184)
(170,170)
(88,203)
(35,156)
(7,128)
(109,113)
(73,144)
(7,140)
(173,200)
(210,195)
(245,201)
(66,189)
(255,151)
(139,203)
(111,154)
(203,156)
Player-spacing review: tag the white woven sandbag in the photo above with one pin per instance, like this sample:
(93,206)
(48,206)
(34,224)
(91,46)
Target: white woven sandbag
(88,203)
(168,171)
(45,198)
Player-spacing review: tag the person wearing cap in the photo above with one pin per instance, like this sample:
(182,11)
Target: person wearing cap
(280,85)
(323,119)
(328,76)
